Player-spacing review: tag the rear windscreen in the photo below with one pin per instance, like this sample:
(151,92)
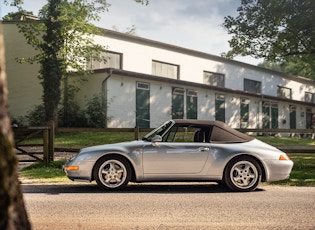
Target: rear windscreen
(228,135)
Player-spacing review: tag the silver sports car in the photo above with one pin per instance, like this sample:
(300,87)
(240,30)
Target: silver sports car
(183,150)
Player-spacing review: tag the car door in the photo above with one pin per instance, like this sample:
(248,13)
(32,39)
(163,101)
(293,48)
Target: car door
(169,158)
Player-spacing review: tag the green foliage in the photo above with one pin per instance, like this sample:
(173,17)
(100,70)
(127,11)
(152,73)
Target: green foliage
(96,111)
(16,16)
(64,43)
(70,113)
(143,2)
(36,116)
(275,31)
(285,141)
(90,138)
(72,116)
(75,117)
(295,66)
(53,171)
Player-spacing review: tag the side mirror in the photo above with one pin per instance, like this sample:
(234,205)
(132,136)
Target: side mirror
(157,138)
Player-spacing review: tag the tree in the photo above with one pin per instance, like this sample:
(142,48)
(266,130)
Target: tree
(66,45)
(12,210)
(294,66)
(278,31)
(17,16)
(63,38)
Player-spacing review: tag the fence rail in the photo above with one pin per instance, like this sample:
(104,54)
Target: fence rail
(33,152)
(46,149)
(290,131)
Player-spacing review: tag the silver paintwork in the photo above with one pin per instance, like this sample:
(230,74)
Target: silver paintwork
(153,159)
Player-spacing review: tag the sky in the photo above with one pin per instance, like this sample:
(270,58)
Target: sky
(195,25)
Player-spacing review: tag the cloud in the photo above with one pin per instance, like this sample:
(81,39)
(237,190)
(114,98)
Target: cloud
(190,24)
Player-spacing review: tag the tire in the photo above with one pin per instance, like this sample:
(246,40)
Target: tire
(112,173)
(242,174)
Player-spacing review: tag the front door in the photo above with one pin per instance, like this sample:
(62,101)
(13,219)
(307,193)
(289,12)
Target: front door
(292,117)
(274,116)
(143,105)
(167,158)
(266,115)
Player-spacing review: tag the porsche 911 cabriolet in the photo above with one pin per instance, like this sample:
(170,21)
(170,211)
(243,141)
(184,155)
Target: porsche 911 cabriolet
(183,151)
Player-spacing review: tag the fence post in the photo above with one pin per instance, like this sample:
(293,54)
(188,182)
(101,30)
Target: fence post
(136,133)
(51,142)
(45,146)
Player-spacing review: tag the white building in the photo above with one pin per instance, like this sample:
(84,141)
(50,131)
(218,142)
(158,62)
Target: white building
(146,82)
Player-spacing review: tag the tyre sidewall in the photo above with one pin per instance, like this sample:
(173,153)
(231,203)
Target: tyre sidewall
(100,163)
(227,177)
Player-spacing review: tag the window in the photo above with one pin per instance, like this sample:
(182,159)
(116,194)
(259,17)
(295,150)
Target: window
(284,92)
(165,69)
(220,107)
(113,60)
(270,115)
(214,79)
(228,135)
(310,97)
(292,117)
(143,105)
(191,104)
(244,113)
(181,134)
(178,103)
(252,86)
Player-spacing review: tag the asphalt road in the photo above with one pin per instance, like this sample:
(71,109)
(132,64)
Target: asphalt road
(168,206)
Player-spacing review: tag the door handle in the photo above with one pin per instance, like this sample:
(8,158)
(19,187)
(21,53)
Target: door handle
(204,149)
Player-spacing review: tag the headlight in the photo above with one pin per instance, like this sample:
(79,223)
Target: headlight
(284,157)
(72,168)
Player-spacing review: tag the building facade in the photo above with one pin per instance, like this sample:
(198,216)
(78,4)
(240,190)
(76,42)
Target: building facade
(146,82)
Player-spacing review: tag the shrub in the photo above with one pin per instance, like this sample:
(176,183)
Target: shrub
(36,116)
(96,111)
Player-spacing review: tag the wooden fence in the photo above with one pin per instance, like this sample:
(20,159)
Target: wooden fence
(32,152)
(44,152)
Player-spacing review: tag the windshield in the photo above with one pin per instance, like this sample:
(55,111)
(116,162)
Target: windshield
(158,131)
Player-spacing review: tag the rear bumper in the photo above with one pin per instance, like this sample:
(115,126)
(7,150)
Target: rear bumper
(278,170)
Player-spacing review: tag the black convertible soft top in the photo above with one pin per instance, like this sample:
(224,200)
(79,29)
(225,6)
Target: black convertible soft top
(220,132)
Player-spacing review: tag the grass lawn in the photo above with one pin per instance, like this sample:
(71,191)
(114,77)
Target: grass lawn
(303,173)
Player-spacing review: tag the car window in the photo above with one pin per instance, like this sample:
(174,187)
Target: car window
(158,131)
(187,134)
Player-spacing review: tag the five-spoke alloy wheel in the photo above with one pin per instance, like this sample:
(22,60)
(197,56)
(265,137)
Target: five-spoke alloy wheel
(112,173)
(242,174)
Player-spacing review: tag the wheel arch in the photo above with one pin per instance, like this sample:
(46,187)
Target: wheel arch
(261,165)
(133,173)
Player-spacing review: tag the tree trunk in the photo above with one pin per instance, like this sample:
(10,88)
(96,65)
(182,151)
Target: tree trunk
(12,210)
(52,66)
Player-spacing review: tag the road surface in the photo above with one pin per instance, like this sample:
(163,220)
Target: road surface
(169,206)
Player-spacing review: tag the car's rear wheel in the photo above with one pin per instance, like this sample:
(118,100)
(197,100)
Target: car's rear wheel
(242,174)
(112,173)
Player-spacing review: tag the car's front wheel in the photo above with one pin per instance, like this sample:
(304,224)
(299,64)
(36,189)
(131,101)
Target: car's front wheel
(112,173)
(242,174)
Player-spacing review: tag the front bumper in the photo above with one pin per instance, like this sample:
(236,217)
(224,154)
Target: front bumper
(79,170)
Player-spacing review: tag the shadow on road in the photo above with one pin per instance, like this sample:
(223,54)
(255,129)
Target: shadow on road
(162,188)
